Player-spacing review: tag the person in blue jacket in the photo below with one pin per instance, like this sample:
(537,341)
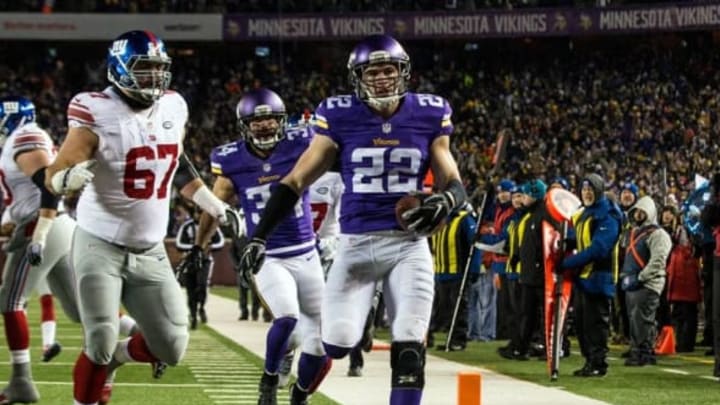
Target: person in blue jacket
(596,233)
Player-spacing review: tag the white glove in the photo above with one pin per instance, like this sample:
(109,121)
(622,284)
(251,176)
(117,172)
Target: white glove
(73,178)
(327,248)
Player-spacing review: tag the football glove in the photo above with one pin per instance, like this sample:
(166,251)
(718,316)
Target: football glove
(37,244)
(424,219)
(252,259)
(73,178)
(192,263)
(35,253)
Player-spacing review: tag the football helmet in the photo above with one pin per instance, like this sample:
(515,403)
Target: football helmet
(139,66)
(14,113)
(374,50)
(261,104)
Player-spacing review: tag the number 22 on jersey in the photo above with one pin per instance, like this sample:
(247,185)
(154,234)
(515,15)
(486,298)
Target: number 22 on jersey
(385,170)
(139,182)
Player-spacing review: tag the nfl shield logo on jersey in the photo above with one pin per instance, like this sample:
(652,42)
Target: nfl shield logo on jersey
(386,128)
(267,167)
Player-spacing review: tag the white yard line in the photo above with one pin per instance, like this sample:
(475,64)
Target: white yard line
(675,371)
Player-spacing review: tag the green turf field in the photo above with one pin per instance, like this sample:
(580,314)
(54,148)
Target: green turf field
(214,371)
(680,379)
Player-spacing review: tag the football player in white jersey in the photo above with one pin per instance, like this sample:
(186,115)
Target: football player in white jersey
(27,149)
(124,145)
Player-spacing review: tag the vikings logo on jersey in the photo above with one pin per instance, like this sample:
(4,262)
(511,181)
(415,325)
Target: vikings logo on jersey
(382,160)
(253,179)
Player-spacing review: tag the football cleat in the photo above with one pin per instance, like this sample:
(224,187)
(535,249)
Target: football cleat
(298,396)
(105,394)
(51,352)
(285,369)
(355,371)
(158,369)
(19,390)
(203,315)
(268,390)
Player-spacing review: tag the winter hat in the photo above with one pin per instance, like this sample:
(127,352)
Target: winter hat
(535,189)
(561,181)
(630,186)
(507,185)
(596,183)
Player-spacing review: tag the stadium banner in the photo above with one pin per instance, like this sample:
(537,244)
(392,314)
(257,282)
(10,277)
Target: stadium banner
(480,24)
(104,27)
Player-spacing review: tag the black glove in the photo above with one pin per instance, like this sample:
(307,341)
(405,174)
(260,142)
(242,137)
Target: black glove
(192,263)
(252,259)
(425,218)
(35,253)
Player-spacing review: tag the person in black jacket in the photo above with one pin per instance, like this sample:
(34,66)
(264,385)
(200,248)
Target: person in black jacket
(531,266)
(195,278)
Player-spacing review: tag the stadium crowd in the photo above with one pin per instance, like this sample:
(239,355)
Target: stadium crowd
(627,115)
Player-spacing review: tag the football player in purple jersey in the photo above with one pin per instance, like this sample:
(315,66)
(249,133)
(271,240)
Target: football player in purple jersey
(291,280)
(385,139)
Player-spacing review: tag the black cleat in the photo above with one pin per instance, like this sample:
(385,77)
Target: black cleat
(51,352)
(268,390)
(203,315)
(298,396)
(158,369)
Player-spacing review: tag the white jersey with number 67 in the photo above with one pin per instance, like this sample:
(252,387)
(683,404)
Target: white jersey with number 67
(128,201)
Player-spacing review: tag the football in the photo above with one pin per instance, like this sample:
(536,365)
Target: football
(405,203)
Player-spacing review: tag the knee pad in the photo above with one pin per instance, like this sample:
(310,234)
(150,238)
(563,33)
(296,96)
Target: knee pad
(102,339)
(407,360)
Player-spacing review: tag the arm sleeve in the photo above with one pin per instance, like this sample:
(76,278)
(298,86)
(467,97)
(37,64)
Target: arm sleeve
(281,203)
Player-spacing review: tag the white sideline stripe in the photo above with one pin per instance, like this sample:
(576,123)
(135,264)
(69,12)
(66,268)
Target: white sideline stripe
(215,373)
(223,396)
(675,371)
(232,365)
(226,390)
(228,380)
(224,367)
(709,377)
(229,375)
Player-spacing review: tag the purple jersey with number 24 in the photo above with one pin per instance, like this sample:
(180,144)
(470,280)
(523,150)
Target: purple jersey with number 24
(381,160)
(253,179)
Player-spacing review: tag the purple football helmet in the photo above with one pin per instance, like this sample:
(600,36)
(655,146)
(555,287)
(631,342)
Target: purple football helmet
(374,50)
(257,105)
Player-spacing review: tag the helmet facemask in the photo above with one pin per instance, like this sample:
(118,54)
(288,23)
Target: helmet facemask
(381,82)
(264,129)
(10,122)
(147,78)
